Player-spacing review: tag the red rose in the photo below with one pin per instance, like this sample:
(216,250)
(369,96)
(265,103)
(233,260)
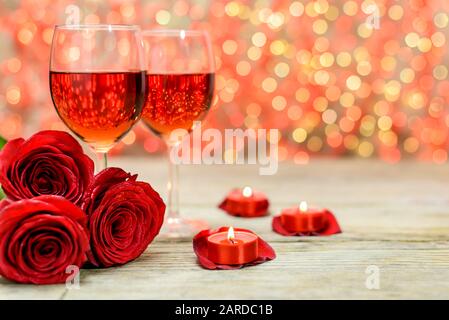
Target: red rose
(40,238)
(48,163)
(124,217)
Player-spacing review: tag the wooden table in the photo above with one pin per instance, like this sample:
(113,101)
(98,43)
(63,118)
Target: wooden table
(395,217)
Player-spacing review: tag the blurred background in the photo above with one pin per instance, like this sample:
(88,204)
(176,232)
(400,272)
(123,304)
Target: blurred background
(338,78)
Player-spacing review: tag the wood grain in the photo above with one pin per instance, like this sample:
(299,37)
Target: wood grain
(393,216)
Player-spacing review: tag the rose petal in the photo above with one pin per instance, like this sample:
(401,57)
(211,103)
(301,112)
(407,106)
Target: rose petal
(9,151)
(101,183)
(4,203)
(259,211)
(67,207)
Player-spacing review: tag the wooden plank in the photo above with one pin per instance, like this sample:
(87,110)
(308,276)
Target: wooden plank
(393,216)
(311,269)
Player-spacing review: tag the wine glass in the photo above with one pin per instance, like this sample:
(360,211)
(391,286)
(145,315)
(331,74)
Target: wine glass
(97,81)
(180,85)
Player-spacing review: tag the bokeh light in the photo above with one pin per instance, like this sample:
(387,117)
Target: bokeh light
(332,84)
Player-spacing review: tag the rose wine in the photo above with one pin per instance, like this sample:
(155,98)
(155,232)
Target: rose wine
(175,101)
(99,107)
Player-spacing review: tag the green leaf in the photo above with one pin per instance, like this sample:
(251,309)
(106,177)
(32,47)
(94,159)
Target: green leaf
(2,142)
(2,195)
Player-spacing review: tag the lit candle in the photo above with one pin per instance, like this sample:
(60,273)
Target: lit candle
(245,202)
(247,192)
(231,247)
(303,218)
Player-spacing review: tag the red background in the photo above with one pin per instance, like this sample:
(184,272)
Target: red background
(313,69)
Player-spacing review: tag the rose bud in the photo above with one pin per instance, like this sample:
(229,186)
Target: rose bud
(124,217)
(48,163)
(40,238)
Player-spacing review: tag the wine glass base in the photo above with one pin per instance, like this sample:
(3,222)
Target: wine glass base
(181,228)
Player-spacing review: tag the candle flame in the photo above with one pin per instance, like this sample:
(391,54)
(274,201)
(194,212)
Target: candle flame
(231,234)
(303,206)
(247,192)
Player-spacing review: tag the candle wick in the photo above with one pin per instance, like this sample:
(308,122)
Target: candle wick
(232,241)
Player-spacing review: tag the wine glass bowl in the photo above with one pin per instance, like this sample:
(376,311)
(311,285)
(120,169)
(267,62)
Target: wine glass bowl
(180,86)
(175,101)
(97,81)
(99,107)
(180,79)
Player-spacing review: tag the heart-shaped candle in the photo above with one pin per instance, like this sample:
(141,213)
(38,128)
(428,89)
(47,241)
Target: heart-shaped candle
(245,202)
(304,221)
(229,248)
(232,247)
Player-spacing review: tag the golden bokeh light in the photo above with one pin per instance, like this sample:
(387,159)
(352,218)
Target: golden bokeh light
(282,69)
(424,44)
(407,75)
(320,26)
(163,17)
(315,144)
(229,47)
(269,84)
(299,135)
(13,95)
(365,149)
(14,65)
(320,104)
(232,8)
(296,9)
(440,72)
(350,8)
(396,12)
(302,95)
(441,20)
(279,103)
(344,59)
(259,39)
(331,82)
(243,68)
(278,47)
(327,59)
(254,53)
(353,82)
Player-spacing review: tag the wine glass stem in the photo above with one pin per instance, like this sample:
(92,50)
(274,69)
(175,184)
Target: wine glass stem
(172,185)
(103,160)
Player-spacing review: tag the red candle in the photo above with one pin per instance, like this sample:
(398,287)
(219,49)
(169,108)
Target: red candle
(303,219)
(232,247)
(246,202)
